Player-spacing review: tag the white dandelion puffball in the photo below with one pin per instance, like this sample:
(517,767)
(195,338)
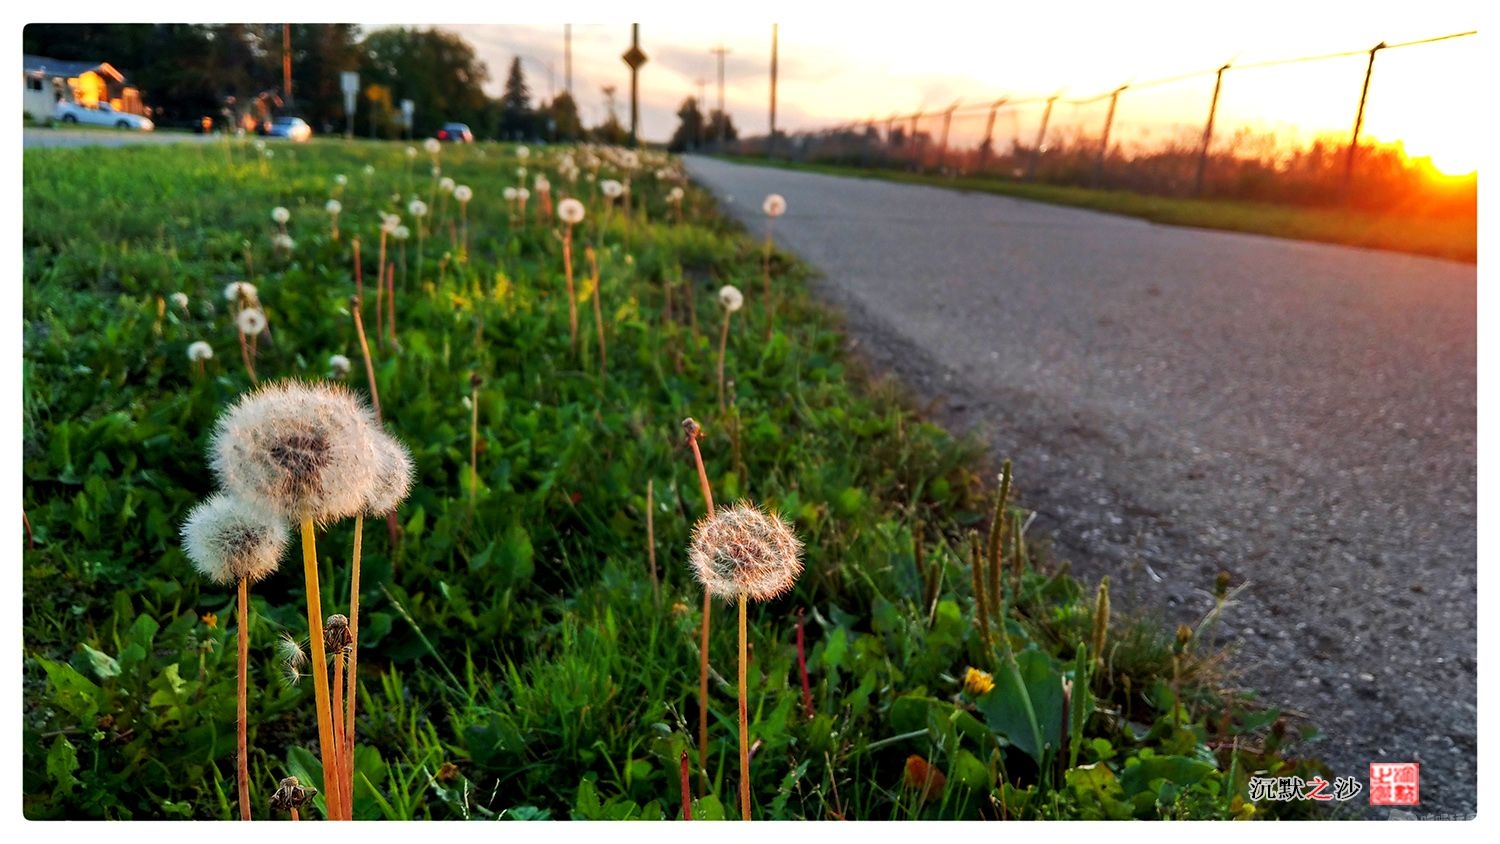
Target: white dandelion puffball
(744,551)
(463,193)
(523,194)
(251,321)
(284,242)
(509,193)
(260,146)
(417,207)
(333,207)
(303,450)
(230,538)
(570,211)
(611,188)
(280,215)
(523,153)
(393,475)
(180,299)
(731,298)
(411,152)
(339,365)
(446,185)
(199,350)
(629,160)
(436,171)
(389,222)
(341,180)
(433,146)
(240,290)
(369,169)
(774,206)
(541,184)
(401,232)
(674,195)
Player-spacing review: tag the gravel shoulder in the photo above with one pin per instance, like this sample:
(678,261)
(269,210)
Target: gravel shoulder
(1181,402)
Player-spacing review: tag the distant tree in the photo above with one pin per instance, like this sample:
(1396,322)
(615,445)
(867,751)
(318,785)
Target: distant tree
(517,120)
(436,69)
(689,134)
(566,124)
(610,131)
(719,122)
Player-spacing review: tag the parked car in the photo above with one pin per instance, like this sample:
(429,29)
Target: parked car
(456,132)
(293,128)
(104,115)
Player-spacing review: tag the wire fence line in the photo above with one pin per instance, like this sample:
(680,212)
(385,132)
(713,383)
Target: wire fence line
(1085,146)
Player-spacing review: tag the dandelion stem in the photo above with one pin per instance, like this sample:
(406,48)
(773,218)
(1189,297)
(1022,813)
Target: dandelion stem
(651,540)
(694,432)
(242,703)
(320,670)
(723,348)
(568,276)
(766,273)
(359,534)
(981,608)
(807,701)
(359,275)
(598,313)
(996,542)
(364,349)
(248,358)
(473,440)
(391,301)
(338,718)
(744,723)
(687,800)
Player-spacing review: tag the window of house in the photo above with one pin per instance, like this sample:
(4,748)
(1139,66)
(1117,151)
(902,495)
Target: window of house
(34,83)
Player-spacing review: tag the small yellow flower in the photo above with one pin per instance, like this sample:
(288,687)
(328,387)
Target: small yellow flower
(210,620)
(977,682)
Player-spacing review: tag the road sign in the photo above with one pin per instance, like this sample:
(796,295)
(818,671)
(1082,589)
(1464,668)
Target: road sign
(349,82)
(407,107)
(634,57)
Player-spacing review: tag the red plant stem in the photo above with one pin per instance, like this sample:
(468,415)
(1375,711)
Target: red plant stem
(30,544)
(359,534)
(744,722)
(807,701)
(687,794)
(364,349)
(246,357)
(243,711)
(694,431)
(338,720)
(329,759)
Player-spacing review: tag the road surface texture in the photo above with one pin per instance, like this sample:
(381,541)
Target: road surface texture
(1180,402)
(44,138)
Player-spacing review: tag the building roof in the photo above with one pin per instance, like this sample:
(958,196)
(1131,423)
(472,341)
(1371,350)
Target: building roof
(44,66)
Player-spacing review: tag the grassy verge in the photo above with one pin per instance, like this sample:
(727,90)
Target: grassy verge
(520,656)
(1454,238)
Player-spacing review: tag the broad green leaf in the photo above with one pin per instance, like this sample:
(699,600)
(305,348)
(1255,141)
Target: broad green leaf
(105,667)
(62,761)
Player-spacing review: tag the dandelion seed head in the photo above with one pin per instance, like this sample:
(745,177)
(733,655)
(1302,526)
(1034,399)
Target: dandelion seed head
(436,171)
(433,146)
(283,243)
(339,365)
(302,449)
(292,657)
(417,208)
(199,351)
(411,152)
(240,291)
(523,194)
(674,195)
(731,298)
(446,185)
(509,194)
(251,321)
(270,153)
(463,193)
(333,207)
(369,170)
(570,211)
(180,299)
(523,152)
(341,180)
(541,184)
(611,188)
(280,215)
(774,206)
(629,160)
(743,550)
(401,233)
(389,222)
(229,538)
(393,475)
(521,173)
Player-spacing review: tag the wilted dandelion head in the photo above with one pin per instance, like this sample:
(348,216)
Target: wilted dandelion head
(674,195)
(333,207)
(229,538)
(180,299)
(240,291)
(731,298)
(745,551)
(401,233)
(417,208)
(341,180)
(446,185)
(304,450)
(433,146)
(336,635)
(570,211)
(280,214)
(251,321)
(463,193)
(775,205)
(199,350)
(339,365)
(509,194)
(611,188)
(393,475)
(523,152)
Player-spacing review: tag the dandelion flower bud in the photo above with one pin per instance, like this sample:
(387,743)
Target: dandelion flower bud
(180,299)
(731,297)
(570,211)
(333,207)
(523,152)
(336,635)
(199,351)
(433,146)
(251,321)
(977,682)
(240,291)
(417,208)
(341,180)
(292,794)
(393,475)
(775,205)
(304,450)
(463,193)
(280,215)
(744,551)
(401,232)
(229,538)
(446,185)
(509,194)
(339,365)
(611,188)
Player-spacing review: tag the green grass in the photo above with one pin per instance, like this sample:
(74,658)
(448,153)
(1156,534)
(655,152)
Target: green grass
(514,661)
(1452,237)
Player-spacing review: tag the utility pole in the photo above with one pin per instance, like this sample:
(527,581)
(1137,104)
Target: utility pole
(286,62)
(1041,137)
(1208,132)
(634,58)
(723,119)
(1359,122)
(568,59)
(1109,120)
(771,140)
(989,133)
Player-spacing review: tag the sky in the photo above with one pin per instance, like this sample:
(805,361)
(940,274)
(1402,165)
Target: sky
(834,70)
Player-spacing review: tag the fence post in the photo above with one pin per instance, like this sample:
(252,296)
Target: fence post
(1359,120)
(1041,135)
(1109,120)
(943,145)
(1208,132)
(989,134)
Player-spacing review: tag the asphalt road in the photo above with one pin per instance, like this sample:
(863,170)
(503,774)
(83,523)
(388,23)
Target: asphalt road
(43,138)
(1180,402)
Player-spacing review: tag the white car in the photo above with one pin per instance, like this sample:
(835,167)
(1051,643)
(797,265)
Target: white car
(73,113)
